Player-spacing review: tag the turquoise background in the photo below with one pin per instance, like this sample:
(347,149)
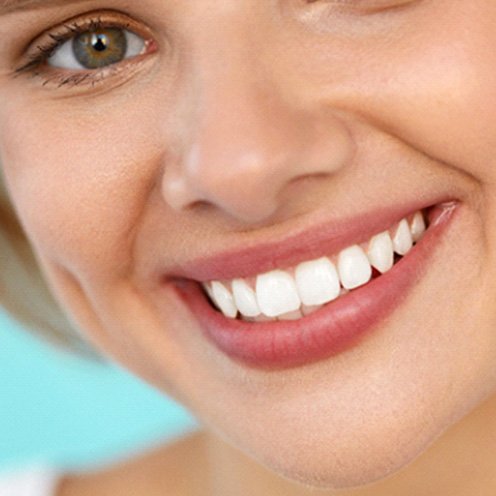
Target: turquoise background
(59,409)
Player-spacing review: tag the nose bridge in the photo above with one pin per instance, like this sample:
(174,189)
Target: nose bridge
(248,136)
(241,130)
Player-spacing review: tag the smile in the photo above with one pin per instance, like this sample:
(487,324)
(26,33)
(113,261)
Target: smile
(297,309)
(293,293)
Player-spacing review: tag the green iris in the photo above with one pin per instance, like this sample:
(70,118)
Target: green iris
(95,49)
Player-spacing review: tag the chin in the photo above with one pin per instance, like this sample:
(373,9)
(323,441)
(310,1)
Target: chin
(330,467)
(346,472)
(362,453)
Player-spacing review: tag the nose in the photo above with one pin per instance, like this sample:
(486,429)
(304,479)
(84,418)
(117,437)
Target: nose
(249,142)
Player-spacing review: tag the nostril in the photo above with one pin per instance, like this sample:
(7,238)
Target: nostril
(200,207)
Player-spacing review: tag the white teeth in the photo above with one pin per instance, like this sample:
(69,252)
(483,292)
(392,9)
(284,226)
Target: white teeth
(210,293)
(277,293)
(402,240)
(224,300)
(354,267)
(380,252)
(280,296)
(317,281)
(417,227)
(245,298)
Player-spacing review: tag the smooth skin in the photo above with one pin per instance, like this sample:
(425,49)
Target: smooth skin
(320,110)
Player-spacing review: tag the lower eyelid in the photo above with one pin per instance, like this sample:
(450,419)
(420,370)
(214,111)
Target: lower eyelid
(115,74)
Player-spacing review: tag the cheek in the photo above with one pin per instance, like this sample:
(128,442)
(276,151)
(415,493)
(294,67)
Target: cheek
(436,90)
(79,183)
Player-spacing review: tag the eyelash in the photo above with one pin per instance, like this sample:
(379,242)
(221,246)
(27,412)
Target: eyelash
(65,77)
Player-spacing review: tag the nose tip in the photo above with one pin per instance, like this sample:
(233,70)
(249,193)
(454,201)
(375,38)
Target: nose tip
(245,176)
(245,172)
(239,186)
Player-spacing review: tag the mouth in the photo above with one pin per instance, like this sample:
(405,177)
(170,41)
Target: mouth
(316,295)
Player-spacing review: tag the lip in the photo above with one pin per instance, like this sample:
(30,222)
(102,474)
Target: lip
(336,327)
(318,240)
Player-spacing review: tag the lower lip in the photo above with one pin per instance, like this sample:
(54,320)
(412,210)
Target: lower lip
(336,327)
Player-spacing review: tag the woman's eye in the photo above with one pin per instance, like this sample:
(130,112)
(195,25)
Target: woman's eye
(87,50)
(94,49)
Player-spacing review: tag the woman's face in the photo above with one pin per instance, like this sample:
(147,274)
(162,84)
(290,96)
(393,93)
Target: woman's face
(221,140)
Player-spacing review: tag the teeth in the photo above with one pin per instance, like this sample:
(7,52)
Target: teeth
(210,293)
(224,299)
(277,293)
(317,281)
(262,318)
(297,314)
(402,240)
(309,309)
(245,298)
(417,227)
(354,267)
(380,252)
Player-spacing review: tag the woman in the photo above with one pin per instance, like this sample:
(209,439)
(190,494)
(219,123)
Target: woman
(280,213)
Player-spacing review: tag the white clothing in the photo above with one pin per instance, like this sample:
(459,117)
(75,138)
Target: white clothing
(32,482)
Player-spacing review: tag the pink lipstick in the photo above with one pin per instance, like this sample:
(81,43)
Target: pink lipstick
(334,328)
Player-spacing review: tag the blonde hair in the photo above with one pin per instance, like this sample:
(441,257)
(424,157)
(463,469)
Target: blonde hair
(23,291)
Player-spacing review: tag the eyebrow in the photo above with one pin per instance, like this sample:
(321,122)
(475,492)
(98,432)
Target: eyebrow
(9,6)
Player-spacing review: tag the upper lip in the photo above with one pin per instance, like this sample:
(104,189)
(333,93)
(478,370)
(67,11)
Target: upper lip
(320,239)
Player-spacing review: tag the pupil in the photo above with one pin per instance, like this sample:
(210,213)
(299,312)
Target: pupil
(99,42)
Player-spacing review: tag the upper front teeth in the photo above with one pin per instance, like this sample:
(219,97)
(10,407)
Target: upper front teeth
(277,293)
(288,294)
(317,281)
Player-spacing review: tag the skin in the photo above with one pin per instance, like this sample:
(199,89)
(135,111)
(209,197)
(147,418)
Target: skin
(321,111)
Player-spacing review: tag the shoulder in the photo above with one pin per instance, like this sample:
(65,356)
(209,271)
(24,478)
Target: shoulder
(164,470)
(31,482)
